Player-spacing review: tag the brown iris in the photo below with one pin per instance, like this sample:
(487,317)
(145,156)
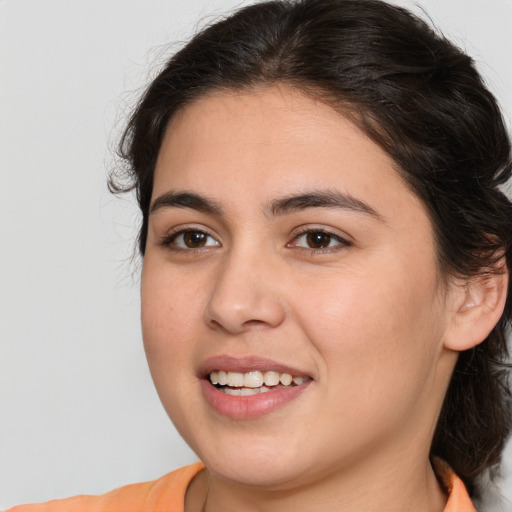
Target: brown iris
(194,239)
(318,240)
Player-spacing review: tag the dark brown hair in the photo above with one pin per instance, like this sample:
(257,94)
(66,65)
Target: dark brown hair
(420,98)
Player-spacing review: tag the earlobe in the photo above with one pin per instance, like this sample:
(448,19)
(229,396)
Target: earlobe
(478,306)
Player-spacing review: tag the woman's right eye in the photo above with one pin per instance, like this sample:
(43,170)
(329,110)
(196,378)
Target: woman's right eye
(190,239)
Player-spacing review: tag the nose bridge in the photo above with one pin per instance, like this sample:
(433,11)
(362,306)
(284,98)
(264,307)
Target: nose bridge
(246,291)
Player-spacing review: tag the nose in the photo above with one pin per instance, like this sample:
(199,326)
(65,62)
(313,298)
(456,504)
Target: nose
(245,295)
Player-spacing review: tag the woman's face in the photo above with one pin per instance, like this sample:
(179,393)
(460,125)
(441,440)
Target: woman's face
(283,244)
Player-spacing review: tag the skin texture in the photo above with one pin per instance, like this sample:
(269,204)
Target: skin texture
(370,321)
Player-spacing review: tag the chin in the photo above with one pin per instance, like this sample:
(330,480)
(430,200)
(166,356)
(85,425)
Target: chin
(271,462)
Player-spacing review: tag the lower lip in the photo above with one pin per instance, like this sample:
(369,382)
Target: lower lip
(246,407)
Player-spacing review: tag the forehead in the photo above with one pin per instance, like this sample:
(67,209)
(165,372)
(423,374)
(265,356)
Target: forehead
(273,141)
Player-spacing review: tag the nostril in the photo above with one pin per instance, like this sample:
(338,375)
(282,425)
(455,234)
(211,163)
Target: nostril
(248,324)
(254,323)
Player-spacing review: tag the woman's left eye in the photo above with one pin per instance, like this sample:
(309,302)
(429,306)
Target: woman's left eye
(317,240)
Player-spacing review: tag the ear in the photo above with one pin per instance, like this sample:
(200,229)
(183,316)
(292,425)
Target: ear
(477,304)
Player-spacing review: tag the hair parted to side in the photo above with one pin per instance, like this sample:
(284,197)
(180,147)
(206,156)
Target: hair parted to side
(420,98)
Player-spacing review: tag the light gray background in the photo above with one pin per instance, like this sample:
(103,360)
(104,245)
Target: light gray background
(78,409)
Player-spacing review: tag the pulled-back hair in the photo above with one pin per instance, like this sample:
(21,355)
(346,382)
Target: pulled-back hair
(417,96)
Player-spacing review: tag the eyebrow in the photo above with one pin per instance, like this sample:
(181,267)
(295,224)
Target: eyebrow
(320,199)
(278,207)
(186,200)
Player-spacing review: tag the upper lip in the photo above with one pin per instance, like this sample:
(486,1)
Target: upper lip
(246,364)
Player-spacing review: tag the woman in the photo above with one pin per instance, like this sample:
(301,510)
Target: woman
(326,259)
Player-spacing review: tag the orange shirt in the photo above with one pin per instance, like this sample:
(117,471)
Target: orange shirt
(458,498)
(167,494)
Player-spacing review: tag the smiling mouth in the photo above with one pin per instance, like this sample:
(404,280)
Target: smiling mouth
(254,382)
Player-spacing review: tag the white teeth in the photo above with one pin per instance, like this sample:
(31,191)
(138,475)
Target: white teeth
(271,378)
(253,379)
(244,391)
(235,379)
(285,379)
(232,391)
(249,391)
(222,378)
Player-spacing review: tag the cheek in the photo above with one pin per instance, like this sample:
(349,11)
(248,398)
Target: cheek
(169,312)
(376,326)
(171,317)
(379,346)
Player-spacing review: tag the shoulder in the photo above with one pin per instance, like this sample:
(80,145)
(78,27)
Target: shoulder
(166,493)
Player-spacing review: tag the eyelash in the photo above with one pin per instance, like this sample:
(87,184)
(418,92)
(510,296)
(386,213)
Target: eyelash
(171,238)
